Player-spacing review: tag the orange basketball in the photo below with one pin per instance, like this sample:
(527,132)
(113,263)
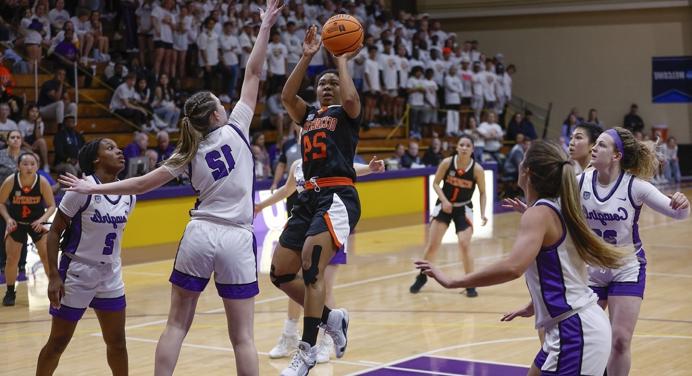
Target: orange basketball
(342,34)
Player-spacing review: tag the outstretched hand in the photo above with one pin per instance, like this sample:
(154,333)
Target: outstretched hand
(272,13)
(432,271)
(312,42)
(76,184)
(524,312)
(679,201)
(376,165)
(515,204)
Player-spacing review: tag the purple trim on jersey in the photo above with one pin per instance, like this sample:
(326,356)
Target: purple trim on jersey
(108,304)
(67,313)
(339,257)
(244,291)
(188,282)
(254,176)
(552,282)
(104,195)
(581,180)
(540,358)
(571,346)
(631,288)
(63,266)
(562,222)
(636,240)
(602,292)
(75,229)
(594,181)
(254,248)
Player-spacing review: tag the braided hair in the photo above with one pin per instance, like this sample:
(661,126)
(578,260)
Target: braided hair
(87,155)
(195,124)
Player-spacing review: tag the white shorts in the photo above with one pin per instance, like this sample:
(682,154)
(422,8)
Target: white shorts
(577,345)
(99,286)
(627,280)
(227,251)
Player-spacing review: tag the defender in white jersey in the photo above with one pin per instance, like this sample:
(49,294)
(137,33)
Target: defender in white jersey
(295,183)
(612,196)
(215,152)
(89,274)
(555,270)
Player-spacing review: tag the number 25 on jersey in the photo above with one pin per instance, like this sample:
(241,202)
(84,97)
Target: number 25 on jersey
(314,147)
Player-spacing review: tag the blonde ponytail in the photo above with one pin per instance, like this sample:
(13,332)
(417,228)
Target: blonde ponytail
(195,124)
(591,248)
(552,175)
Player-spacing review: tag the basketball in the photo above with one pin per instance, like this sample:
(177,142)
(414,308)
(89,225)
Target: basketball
(342,34)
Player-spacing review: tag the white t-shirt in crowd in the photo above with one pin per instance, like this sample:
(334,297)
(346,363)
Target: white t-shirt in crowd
(208,44)
(8,125)
(389,67)
(404,70)
(452,90)
(491,134)
(163,32)
(431,93)
(245,42)
(372,74)
(466,77)
(277,55)
(440,67)
(294,46)
(144,24)
(122,94)
(58,18)
(488,81)
(416,98)
(230,47)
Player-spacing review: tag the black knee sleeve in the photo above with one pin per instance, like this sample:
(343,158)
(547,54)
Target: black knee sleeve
(310,274)
(277,280)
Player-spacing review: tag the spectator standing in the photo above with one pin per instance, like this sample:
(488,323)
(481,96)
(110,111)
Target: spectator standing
(32,129)
(53,99)
(491,134)
(180,42)
(262,160)
(632,121)
(67,143)
(208,44)
(277,58)
(163,21)
(230,48)
(453,91)
(672,163)
(568,127)
(145,31)
(593,118)
(58,16)
(293,43)
(477,79)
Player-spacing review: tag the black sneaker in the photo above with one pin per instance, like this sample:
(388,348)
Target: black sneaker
(471,292)
(421,279)
(9,298)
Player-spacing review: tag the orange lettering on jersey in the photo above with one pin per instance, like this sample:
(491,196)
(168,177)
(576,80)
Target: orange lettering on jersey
(26,200)
(458,182)
(326,122)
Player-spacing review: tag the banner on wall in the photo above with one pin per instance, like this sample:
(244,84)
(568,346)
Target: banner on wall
(671,80)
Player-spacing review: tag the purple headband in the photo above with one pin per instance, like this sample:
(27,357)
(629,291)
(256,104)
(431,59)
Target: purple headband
(618,141)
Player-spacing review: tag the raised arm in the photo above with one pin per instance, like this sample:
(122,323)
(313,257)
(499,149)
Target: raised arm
(286,190)
(350,100)
(295,105)
(248,94)
(132,186)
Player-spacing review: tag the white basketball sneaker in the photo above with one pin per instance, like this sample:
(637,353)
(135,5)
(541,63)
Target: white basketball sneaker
(325,346)
(286,346)
(303,360)
(337,327)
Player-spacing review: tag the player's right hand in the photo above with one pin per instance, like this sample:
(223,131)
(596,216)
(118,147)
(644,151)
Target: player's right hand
(76,184)
(11,225)
(56,290)
(514,204)
(524,312)
(447,207)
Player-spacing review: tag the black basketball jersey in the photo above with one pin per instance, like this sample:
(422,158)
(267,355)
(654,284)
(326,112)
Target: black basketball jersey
(328,142)
(459,182)
(26,203)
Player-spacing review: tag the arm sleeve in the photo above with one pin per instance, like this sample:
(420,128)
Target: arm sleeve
(644,192)
(72,202)
(241,116)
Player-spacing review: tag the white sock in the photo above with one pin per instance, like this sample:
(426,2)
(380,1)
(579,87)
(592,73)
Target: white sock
(290,327)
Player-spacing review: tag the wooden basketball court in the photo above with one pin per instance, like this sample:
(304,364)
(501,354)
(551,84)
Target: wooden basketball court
(392,332)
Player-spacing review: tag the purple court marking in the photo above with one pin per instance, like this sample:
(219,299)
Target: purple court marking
(447,366)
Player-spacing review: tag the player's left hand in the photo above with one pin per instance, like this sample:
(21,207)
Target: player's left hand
(272,13)
(432,271)
(76,184)
(37,226)
(484,220)
(376,165)
(349,55)
(679,201)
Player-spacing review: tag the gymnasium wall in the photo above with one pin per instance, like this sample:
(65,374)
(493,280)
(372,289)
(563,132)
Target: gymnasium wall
(589,59)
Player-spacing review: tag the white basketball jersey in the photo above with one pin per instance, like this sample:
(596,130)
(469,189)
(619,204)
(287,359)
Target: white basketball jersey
(613,215)
(300,177)
(222,172)
(557,278)
(96,230)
